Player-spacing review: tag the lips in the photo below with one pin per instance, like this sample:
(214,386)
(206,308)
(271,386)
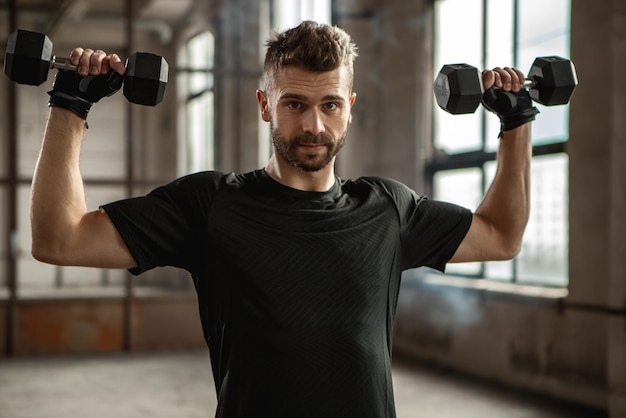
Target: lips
(312,145)
(313,148)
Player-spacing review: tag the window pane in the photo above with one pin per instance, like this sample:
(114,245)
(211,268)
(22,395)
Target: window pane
(458,33)
(200,56)
(544,34)
(200,144)
(499,38)
(499,270)
(196,84)
(462,187)
(289,13)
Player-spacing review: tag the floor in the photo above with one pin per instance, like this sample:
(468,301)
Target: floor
(167,385)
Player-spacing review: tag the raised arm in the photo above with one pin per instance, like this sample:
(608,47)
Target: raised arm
(63,231)
(499,222)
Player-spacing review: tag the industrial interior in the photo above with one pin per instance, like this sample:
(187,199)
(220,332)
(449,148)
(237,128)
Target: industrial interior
(543,335)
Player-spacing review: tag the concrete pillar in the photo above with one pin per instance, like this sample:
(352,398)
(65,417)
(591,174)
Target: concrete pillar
(393,82)
(597,150)
(243,29)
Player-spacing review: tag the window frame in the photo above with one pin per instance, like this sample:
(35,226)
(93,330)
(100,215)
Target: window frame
(190,98)
(438,161)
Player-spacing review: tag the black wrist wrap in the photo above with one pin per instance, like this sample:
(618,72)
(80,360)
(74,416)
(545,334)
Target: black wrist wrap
(513,109)
(75,104)
(77,93)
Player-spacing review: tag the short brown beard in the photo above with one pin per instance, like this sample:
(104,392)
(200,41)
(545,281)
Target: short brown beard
(286,148)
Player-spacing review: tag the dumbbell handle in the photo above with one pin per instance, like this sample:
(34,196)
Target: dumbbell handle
(529,84)
(61,64)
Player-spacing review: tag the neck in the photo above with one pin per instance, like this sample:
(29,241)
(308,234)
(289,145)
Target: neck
(286,174)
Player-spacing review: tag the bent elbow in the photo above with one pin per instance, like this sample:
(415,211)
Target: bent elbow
(512,253)
(510,250)
(43,254)
(45,251)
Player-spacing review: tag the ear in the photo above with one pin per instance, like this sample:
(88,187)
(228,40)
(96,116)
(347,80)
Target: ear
(351,102)
(261,98)
(352,99)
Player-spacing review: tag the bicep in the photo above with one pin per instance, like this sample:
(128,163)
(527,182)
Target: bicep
(483,242)
(104,245)
(92,242)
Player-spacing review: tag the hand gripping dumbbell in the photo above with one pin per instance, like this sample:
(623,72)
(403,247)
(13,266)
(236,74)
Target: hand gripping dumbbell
(459,88)
(29,58)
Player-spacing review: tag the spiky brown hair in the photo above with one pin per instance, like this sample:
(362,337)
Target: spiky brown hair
(310,46)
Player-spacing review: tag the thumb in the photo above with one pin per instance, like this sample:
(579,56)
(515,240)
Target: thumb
(116,64)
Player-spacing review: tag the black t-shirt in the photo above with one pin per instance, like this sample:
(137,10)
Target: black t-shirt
(297,290)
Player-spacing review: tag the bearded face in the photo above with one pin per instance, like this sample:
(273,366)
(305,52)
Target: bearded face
(309,115)
(307,151)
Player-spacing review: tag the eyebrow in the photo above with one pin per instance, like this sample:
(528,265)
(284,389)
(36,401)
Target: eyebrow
(303,98)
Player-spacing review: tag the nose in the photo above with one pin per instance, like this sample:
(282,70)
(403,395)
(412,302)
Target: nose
(313,121)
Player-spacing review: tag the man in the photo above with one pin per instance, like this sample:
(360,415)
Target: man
(297,271)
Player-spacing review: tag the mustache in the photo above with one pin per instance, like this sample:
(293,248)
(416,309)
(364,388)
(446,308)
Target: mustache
(322,138)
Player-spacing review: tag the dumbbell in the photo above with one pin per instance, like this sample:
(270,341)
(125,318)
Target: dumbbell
(459,89)
(29,57)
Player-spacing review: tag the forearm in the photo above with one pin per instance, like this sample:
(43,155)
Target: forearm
(58,198)
(506,205)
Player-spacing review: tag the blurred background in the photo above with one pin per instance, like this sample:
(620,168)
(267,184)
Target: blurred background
(551,322)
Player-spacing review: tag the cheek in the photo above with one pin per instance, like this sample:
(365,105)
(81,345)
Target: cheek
(340,123)
(285,122)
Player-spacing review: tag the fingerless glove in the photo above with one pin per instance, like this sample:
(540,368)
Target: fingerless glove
(77,93)
(513,109)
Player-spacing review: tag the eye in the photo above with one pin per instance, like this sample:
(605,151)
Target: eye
(331,106)
(294,105)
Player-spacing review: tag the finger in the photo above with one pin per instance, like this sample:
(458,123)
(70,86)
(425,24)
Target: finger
(505,78)
(514,79)
(497,73)
(84,61)
(95,63)
(489,79)
(75,55)
(521,77)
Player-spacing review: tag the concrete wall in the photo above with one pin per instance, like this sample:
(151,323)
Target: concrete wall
(98,325)
(598,180)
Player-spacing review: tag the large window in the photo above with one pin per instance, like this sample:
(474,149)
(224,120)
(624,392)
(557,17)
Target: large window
(289,13)
(486,34)
(197,153)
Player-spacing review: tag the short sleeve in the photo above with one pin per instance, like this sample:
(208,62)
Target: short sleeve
(434,230)
(431,231)
(167,227)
